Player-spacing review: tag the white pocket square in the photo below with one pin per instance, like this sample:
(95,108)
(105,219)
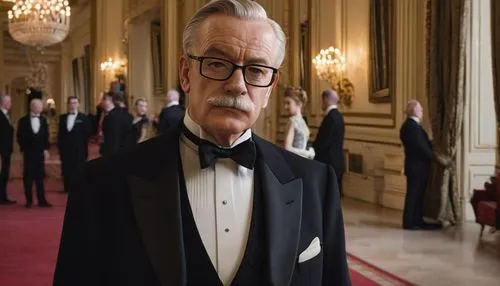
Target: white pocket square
(312,250)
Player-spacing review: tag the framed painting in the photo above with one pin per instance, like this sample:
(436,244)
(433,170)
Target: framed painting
(381,50)
(156,52)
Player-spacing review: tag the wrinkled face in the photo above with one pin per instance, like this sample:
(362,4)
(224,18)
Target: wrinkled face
(291,106)
(73,105)
(6,103)
(240,42)
(36,107)
(141,108)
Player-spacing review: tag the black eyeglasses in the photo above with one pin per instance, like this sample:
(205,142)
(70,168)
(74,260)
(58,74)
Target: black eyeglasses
(220,69)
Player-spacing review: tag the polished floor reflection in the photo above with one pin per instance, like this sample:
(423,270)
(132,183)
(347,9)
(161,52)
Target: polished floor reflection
(454,256)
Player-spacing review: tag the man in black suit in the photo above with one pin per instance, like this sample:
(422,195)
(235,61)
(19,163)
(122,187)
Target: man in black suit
(33,140)
(329,143)
(171,115)
(116,125)
(418,158)
(209,203)
(6,142)
(72,140)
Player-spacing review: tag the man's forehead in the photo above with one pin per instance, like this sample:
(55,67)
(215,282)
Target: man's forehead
(228,36)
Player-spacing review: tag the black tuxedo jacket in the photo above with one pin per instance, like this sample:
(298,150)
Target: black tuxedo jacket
(329,143)
(75,142)
(170,117)
(115,129)
(6,135)
(417,146)
(32,144)
(123,219)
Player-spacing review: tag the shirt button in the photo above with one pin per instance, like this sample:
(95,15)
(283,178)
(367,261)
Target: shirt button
(226,230)
(224,202)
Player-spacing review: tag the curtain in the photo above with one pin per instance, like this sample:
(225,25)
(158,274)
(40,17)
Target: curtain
(447,24)
(495,53)
(76,77)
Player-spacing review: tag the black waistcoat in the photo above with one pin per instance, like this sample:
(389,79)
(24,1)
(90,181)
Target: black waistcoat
(199,268)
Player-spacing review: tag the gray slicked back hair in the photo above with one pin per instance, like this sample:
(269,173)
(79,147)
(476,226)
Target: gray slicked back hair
(242,9)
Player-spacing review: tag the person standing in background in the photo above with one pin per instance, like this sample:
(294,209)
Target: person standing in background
(33,139)
(418,158)
(6,147)
(329,143)
(297,134)
(172,114)
(72,140)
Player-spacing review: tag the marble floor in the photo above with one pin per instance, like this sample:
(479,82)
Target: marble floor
(454,256)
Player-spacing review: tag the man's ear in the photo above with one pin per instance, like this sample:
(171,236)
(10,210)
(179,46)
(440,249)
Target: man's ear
(271,88)
(184,73)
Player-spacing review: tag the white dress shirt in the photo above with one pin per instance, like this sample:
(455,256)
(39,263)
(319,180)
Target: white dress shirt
(35,122)
(70,120)
(221,199)
(6,113)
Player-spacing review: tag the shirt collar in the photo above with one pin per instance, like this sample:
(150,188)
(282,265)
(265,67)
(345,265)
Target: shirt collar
(172,103)
(4,111)
(416,119)
(33,114)
(198,131)
(333,106)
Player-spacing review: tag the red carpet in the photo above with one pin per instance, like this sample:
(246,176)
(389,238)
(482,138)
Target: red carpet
(29,239)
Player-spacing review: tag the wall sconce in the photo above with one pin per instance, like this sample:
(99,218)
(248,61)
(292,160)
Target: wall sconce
(110,65)
(330,66)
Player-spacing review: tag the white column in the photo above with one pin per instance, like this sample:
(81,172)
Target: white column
(479,140)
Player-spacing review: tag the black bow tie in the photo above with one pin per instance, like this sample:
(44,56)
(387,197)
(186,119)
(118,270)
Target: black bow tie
(244,153)
(72,113)
(35,116)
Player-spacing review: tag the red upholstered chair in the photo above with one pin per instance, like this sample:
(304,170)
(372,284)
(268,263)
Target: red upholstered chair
(486,204)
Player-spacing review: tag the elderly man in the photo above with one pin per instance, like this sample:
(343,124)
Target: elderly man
(6,147)
(33,140)
(171,115)
(210,203)
(418,157)
(329,143)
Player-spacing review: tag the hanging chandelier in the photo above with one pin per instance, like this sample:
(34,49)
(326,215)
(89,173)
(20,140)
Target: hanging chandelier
(39,23)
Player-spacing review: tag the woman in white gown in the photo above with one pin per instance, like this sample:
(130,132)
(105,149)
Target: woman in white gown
(297,134)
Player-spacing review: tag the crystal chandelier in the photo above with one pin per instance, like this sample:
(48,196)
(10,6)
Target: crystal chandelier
(330,66)
(39,23)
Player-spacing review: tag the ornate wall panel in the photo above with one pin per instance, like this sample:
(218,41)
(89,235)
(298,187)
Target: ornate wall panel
(477,162)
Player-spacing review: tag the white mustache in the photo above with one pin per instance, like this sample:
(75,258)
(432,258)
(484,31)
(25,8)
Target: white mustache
(236,102)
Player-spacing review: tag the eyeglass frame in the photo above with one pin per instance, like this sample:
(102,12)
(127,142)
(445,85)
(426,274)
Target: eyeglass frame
(235,67)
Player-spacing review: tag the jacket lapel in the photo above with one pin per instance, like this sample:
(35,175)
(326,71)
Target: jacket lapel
(282,193)
(155,195)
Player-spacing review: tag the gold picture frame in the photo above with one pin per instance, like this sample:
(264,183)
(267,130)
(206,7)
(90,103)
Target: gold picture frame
(381,50)
(157,58)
